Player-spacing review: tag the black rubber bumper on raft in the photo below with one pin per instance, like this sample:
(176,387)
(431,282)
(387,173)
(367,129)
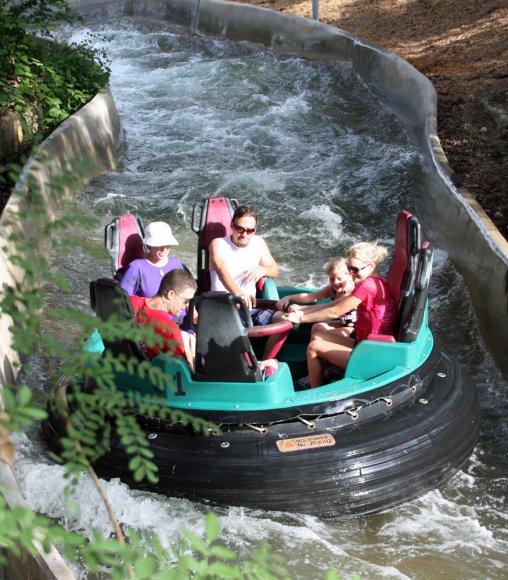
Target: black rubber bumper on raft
(345,464)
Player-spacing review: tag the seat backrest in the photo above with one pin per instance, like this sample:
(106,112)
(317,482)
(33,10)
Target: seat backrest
(223,349)
(412,322)
(107,298)
(211,218)
(403,269)
(123,238)
(402,272)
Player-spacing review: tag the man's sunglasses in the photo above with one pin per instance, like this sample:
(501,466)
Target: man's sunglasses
(355,270)
(240,230)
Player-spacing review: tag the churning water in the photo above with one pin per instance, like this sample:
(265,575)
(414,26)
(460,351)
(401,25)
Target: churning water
(326,165)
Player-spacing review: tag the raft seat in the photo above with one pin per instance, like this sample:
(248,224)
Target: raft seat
(402,274)
(380,353)
(223,349)
(211,218)
(224,352)
(108,299)
(123,238)
(412,304)
(408,277)
(415,307)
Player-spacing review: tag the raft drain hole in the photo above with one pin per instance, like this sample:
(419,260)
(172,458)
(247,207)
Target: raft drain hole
(423,401)
(441,375)
(152,436)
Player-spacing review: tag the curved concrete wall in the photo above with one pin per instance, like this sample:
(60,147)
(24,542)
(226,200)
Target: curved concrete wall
(86,144)
(450,215)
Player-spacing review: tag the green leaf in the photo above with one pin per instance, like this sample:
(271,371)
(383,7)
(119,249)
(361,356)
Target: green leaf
(152,478)
(222,552)
(24,396)
(195,543)
(139,474)
(145,567)
(212,527)
(135,463)
(223,570)
(34,414)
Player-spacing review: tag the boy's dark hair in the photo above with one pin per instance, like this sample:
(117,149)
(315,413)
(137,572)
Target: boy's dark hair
(177,280)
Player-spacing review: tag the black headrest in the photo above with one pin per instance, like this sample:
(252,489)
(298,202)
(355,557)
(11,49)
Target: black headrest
(223,349)
(107,298)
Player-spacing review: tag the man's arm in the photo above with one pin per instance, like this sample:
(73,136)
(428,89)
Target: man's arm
(189,345)
(267,265)
(303,298)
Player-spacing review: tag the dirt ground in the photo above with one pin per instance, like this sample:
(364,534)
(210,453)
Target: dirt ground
(462,47)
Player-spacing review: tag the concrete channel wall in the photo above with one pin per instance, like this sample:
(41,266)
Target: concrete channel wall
(451,217)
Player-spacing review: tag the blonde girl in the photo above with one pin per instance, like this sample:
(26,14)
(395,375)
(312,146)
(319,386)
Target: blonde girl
(377,312)
(340,283)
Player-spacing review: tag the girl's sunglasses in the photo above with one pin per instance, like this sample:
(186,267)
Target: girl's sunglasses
(355,270)
(240,230)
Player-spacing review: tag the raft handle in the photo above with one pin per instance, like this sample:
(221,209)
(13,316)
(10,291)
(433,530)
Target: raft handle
(262,430)
(310,424)
(353,414)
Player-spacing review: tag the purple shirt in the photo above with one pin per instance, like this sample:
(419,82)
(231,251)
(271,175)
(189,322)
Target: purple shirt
(142,278)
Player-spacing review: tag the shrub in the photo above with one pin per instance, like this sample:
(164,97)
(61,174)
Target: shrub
(37,76)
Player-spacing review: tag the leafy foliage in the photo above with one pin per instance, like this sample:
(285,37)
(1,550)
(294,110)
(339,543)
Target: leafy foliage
(20,528)
(39,78)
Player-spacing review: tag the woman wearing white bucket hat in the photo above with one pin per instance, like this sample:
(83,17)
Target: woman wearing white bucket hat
(143,276)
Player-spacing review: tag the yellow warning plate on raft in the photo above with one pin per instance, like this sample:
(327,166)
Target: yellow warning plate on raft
(310,442)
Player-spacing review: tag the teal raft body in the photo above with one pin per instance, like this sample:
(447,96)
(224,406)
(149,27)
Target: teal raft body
(372,365)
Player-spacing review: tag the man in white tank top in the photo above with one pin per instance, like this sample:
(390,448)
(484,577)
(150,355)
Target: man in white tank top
(238,261)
